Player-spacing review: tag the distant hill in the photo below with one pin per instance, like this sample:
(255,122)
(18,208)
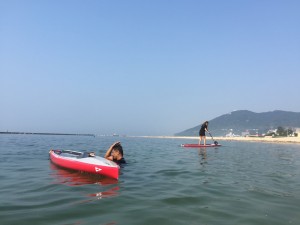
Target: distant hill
(243,120)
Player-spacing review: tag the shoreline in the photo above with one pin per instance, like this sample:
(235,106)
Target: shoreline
(43,133)
(281,140)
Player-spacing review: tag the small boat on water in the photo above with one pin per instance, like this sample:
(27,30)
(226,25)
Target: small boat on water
(199,146)
(80,161)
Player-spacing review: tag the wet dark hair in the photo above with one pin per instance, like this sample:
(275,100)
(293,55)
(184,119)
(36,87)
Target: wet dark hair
(118,148)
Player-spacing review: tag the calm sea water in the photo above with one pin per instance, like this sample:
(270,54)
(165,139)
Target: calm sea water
(162,184)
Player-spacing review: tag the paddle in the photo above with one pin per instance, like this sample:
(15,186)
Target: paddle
(215,142)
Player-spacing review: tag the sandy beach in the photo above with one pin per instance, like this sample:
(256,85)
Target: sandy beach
(287,140)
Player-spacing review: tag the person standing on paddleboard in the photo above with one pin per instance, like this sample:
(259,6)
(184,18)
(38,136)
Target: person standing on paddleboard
(204,127)
(115,153)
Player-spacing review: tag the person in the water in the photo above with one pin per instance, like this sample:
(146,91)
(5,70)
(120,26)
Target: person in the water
(115,153)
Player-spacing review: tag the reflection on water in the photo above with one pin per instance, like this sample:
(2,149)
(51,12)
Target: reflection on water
(202,153)
(76,178)
(112,192)
(203,156)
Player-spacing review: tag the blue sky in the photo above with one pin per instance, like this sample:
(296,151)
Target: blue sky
(144,67)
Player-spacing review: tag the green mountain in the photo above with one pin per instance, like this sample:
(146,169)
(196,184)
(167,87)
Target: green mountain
(246,121)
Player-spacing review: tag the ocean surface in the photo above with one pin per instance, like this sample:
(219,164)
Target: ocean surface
(162,184)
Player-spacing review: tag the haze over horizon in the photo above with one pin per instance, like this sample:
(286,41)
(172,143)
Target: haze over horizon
(144,68)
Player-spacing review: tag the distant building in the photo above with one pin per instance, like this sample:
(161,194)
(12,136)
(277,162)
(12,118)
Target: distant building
(245,134)
(231,134)
(272,131)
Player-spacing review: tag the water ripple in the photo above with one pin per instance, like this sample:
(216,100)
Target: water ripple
(240,183)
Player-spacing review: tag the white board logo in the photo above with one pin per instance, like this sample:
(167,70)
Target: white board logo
(97,169)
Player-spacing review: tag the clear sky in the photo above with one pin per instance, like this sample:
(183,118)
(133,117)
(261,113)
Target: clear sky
(152,67)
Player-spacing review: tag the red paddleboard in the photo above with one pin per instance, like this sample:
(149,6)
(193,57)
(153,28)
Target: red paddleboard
(199,146)
(73,160)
